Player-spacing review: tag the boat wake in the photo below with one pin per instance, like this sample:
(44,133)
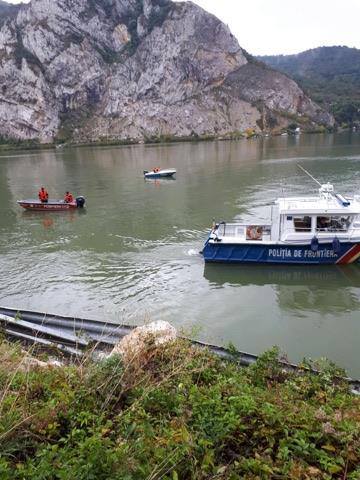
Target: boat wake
(192,252)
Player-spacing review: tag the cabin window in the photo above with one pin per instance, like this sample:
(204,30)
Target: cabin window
(302,224)
(332,223)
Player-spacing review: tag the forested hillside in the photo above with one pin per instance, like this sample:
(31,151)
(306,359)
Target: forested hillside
(330,75)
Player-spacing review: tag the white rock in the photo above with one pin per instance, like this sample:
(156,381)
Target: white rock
(156,333)
(29,363)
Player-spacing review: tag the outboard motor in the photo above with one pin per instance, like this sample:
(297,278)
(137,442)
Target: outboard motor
(80,202)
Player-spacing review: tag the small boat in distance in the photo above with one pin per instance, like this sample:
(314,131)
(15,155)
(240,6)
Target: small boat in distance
(323,229)
(158,173)
(51,205)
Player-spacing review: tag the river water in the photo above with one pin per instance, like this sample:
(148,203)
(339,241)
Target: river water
(132,255)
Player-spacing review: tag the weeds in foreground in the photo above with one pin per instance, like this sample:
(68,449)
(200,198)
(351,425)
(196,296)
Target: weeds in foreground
(175,413)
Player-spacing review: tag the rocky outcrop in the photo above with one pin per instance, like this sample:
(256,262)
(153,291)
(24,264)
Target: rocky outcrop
(135,69)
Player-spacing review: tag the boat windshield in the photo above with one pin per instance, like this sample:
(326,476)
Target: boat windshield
(333,223)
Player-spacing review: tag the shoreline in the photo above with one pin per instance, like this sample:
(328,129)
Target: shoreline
(162,140)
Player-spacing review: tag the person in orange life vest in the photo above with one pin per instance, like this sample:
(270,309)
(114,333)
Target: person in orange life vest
(43,195)
(68,198)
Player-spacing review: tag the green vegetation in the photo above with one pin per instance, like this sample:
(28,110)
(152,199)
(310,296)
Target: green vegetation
(8,143)
(347,112)
(175,413)
(329,75)
(167,138)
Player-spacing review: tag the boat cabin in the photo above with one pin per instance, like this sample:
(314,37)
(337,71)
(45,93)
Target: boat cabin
(326,216)
(297,220)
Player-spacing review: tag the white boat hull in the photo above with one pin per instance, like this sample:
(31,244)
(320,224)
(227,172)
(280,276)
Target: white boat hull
(160,174)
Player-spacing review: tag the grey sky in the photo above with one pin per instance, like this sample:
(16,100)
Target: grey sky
(285,26)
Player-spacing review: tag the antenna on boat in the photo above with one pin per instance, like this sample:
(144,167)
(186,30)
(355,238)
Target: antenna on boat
(309,174)
(327,190)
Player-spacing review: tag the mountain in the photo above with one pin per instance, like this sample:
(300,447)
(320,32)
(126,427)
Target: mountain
(330,75)
(7,10)
(84,70)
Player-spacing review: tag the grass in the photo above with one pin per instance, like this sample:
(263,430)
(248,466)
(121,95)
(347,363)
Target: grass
(175,413)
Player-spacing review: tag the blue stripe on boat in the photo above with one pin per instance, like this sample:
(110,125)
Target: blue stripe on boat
(275,253)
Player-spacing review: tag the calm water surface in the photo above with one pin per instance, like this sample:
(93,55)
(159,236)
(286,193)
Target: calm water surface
(133,254)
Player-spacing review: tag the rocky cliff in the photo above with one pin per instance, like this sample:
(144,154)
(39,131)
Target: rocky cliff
(135,69)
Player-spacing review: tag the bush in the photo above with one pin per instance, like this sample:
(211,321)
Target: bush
(176,413)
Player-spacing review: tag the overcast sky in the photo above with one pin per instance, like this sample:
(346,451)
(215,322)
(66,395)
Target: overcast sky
(287,26)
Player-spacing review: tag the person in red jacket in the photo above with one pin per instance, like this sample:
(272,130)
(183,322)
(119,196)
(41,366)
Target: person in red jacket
(43,195)
(68,198)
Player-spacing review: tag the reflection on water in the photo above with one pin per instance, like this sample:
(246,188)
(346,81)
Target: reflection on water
(317,299)
(326,275)
(160,181)
(51,218)
(323,289)
(132,254)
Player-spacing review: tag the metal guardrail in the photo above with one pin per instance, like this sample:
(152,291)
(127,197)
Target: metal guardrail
(75,333)
(74,336)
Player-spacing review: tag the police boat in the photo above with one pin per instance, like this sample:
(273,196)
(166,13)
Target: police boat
(323,229)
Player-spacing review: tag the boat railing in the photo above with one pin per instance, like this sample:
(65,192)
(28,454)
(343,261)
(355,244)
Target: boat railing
(254,231)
